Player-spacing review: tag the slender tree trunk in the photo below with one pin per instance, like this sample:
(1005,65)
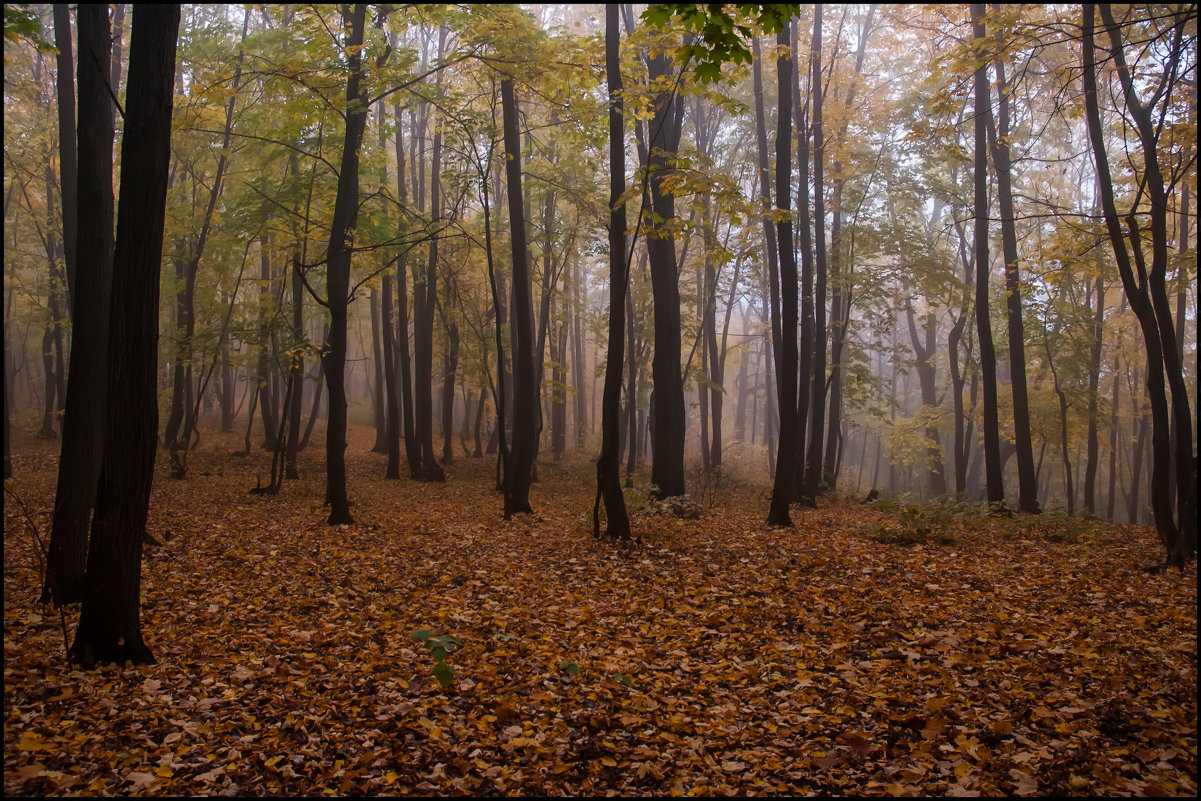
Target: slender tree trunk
(1137,295)
(412,449)
(608,481)
(988,355)
(817,403)
(338,260)
(450,364)
(109,626)
(1027,484)
(786,459)
(1183,546)
(68,171)
(525,401)
(377,363)
(425,293)
(667,465)
(1094,378)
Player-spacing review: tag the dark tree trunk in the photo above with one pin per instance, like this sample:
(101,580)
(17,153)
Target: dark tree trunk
(525,401)
(805,367)
(425,291)
(296,378)
(1180,447)
(608,480)
(840,299)
(266,374)
(378,409)
(817,399)
(109,628)
(786,459)
(1137,295)
(412,450)
(667,465)
(450,364)
(84,421)
(988,355)
(1094,380)
(392,439)
(68,171)
(338,261)
(1027,484)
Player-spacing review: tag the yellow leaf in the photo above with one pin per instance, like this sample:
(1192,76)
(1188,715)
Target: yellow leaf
(609,762)
(165,772)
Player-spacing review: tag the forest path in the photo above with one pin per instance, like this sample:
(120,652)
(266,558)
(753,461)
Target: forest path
(1029,655)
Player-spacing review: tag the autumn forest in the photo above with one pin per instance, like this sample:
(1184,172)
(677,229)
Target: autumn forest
(600,399)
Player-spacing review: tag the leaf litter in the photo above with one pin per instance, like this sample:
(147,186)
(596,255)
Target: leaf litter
(433,648)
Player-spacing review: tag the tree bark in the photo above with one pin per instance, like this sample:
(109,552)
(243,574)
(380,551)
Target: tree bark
(782,489)
(341,240)
(1027,483)
(608,479)
(84,421)
(994,479)
(109,624)
(667,465)
(525,401)
(1137,295)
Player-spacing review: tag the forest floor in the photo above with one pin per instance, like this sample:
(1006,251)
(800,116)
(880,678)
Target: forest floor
(867,650)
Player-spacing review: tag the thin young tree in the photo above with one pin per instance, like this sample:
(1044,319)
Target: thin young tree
(608,473)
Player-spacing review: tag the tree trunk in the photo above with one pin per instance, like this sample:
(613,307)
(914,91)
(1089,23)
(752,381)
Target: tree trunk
(1137,295)
(378,409)
(817,402)
(667,465)
(988,356)
(1027,484)
(84,421)
(425,291)
(786,458)
(338,260)
(412,449)
(525,400)
(1184,545)
(68,171)
(608,481)
(109,628)
(450,363)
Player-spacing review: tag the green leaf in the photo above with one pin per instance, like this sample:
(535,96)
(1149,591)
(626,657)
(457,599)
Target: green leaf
(571,667)
(444,673)
(624,679)
(421,635)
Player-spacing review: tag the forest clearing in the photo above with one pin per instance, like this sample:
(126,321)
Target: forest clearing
(583,399)
(716,656)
